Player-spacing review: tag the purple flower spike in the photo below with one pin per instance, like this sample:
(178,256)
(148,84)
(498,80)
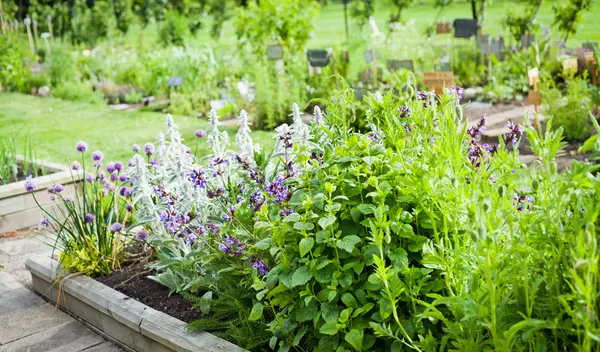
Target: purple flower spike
(45,222)
(200,133)
(135,148)
(116,227)
(149,148)
(81,146)
(30,186)
(89,218)
(142,234)
(75,166)
(97,155)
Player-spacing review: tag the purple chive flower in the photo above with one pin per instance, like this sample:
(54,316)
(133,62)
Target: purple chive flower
(97,164)
(97,155)
(123,178)
(81,146)
(200,133)
(405,111)
(88,218)
(135,148)
(68,198)
(153,162)
(113,176)
(131,163)
(89,178)
(30,186)
(101,175)
(52,197)
(129,207)
(110,167)
(122,191)
(149,148)
(116,227)
(45,222)
(75,166)
(142,234)
(118,166)
(56,189)
(260,266)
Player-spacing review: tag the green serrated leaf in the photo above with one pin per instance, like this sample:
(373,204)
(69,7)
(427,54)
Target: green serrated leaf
(348,243)
(257,312)
(327,221)
(329,328)
(306,244)
(301,276)
(355,338)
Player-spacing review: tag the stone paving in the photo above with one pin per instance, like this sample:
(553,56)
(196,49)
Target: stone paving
(27,322)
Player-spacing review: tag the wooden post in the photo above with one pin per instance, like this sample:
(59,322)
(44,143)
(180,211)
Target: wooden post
(36,39)
(27,22)
(534,97)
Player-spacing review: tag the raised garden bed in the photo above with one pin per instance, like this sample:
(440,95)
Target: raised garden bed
(17,206)
(125,320)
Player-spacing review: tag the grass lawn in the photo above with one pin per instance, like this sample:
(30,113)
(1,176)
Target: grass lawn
(54,126)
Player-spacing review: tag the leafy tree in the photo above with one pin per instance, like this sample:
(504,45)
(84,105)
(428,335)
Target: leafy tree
(568,14)
(520,22)
(361,10)
(400,5)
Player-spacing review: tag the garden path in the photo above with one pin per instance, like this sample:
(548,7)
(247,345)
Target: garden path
(27,322)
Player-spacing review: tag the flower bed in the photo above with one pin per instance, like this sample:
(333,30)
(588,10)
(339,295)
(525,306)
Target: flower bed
(125,320)
(18,209)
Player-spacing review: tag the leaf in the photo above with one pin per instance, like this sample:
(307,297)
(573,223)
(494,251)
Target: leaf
(261,224)
(326,222)
(355,338)
(330,311)
(257,312)
(293,217)
(348,243)
(263,244)
(349,300)
(399,258)
(366,208)
(301,276)
(306,244)
(205,305)
(329,328)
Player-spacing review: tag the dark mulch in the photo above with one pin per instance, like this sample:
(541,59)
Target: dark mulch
(133,281)
(22,175)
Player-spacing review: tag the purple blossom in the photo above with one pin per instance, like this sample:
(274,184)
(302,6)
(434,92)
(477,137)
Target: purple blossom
(405,111)
(56,189)
(123,178)
(456,90)
(75,166)
(116,227)
(88,218)
(476,131)
(135,148)
(200,133)
(131,163)
(259,265)
(197,177)
(30,186)
(97,155)
(45,222)
(81,146)
(89,178)
(515,132)
(101,175)
(226,217)
(142,234)
(68,198)
(118,166)
(232,246)
(122,191)
(373,137)
(129,207)
(521,201)
(214,229)
(149,148)
(256,200)
(285,212)
(153,162)
(192,238)
(97,164)
(278,191)
(113,176)
(110,167)
(52,197)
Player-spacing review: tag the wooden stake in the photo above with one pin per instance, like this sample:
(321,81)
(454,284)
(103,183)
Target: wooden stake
(28,27)
(49,18)
(35,35)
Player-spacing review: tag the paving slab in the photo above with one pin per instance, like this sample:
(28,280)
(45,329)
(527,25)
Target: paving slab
(30,321)
(7,283)
(17,300)
(103,347)
(23,246)
(67,337)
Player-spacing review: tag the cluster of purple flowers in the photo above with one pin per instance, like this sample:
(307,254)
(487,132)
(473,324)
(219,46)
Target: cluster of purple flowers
(45,222)
(278,191)
(456,90)
(142,234)
(30,186)
(425,97)
(149,148)
(477,130)
(317,156)
(232,246)
(56,189)
(515,132)
(373,137)
(116,227)
(198,177)
(259,265)
(256,200)
(254,174)
(478,152)
(521,201)
(174,223)
(215,193)
(405,111)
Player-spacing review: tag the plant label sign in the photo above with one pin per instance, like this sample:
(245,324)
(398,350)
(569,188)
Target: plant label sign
(588,58)
(534,97)
(533,75)
(569,65)
(438,81)
(318,58)
(394,65)
(442,28)
(175,82)
(275,52)
(371,55)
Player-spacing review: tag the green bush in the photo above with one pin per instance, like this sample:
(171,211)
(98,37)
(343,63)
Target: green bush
(14,68)
(173,30)
(77,91)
